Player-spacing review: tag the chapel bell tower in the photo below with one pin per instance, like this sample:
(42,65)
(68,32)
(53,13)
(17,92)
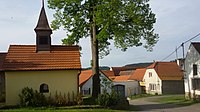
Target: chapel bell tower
(43,32)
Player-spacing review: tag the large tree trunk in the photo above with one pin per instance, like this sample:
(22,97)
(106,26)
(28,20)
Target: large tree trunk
(95,60)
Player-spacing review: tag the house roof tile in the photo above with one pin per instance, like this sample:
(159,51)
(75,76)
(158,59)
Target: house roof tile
(127,72)
(138,74)
(87,74)
(122,78)
(109,74)
(84,76)
(167,70)
(25,57)
(117,70)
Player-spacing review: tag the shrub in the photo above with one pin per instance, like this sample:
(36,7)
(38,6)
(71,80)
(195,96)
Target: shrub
(29,97)
(26,96)
(90,101)
(79,99)
(39,99)
(108,100)
(50,100)
(60,100)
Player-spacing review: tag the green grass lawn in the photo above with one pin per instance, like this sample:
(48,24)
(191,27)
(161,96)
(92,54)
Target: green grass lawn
(84,108)
(175,99)
(64,110)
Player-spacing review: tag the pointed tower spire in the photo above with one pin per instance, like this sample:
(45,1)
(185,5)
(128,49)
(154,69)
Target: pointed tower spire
(43,22)
(43,32)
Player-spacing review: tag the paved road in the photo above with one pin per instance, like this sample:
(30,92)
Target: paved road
(146,105)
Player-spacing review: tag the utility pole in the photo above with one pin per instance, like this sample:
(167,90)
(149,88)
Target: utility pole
(183,51)
(176,54)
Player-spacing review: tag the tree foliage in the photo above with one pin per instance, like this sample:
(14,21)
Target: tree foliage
(127,23)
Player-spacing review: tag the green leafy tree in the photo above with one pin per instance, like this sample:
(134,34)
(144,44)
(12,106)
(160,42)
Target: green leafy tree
(127,23)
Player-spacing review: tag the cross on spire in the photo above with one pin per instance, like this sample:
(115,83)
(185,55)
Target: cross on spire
(42,3)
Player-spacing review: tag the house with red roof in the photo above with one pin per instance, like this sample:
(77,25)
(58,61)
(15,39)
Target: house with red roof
(125,86)
(86,81)
(43,67)
(121,84)
(192,71)
(164,78)
(138,75)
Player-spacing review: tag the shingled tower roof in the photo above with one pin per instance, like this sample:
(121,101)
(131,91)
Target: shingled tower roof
(42,22)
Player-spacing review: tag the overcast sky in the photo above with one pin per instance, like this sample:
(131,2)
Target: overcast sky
(177,21)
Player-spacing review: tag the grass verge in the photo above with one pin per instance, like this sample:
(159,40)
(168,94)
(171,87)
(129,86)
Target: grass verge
(176,99)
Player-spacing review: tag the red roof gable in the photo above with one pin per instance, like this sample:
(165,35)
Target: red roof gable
(84,76)
(109,74)
(138,74)
(167,70)
(25,57)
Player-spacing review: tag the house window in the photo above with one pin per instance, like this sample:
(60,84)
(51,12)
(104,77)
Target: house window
(43,40)
(150,74)
(152,86)
(44,88)
(194,69)
(196,83)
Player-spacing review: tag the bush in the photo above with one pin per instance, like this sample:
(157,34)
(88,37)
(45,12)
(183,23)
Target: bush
(89,101)
(29,97)
(79,99)
(108,100)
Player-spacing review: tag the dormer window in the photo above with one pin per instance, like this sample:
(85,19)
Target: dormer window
(43,40)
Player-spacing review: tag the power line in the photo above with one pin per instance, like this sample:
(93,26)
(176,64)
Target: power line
(182,45)
(191,38)
(171,53)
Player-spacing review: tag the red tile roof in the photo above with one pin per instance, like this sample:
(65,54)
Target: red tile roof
(108,73)
(2,58)
(117,70)
(122,78)
(25,57)
(167,70)
(127,72)
(138,74)
(84,76)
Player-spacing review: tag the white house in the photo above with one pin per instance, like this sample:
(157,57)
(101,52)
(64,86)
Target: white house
(163,78)
(85,82)
(192,71)
(125,86)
